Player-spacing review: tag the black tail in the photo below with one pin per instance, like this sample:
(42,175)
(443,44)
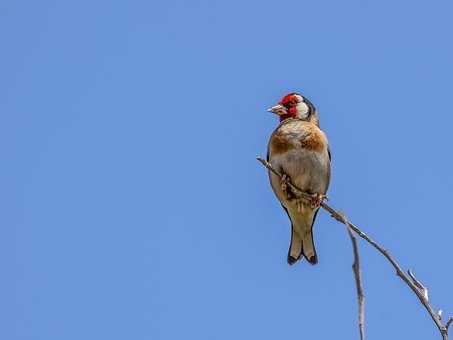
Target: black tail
(295,250)
(302,237)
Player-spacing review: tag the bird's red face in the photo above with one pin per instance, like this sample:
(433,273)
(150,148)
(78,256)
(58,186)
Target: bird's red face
(292,105)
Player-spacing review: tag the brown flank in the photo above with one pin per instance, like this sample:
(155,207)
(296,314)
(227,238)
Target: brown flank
(314,141)
(279,144)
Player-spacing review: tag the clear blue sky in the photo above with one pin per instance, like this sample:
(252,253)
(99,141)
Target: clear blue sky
(132,203)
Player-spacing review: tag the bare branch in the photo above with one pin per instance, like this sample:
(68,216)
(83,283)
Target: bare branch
(358,283)
(409,279)
(448,323)
(419,285)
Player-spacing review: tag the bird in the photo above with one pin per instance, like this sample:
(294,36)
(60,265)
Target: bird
(299,150)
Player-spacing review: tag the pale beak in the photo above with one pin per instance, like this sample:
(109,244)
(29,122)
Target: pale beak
(277,109)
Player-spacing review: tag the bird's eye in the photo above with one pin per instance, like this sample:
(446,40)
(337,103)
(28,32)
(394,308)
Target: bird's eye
(291,103)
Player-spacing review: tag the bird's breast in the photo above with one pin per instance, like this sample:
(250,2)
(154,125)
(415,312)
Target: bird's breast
(297,135)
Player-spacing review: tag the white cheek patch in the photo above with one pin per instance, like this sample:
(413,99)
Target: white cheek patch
(302,110)
(299,98)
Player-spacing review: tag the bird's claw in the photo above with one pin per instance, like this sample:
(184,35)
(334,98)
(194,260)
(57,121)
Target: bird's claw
(316,200)
(284,186)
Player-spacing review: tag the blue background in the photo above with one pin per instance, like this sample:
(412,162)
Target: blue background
(132,203)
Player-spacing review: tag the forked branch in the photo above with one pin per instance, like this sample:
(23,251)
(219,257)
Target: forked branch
(409,278)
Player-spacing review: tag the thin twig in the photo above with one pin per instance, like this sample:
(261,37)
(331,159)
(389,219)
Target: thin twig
(449,322)
(419,285)
(358,283)
(415,285)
